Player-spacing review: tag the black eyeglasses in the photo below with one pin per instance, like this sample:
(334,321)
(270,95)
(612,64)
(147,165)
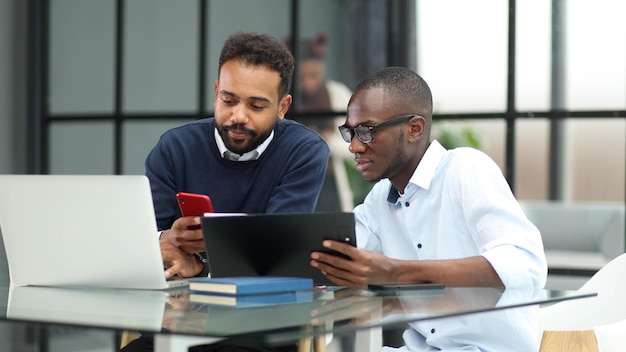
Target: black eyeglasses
(366,133)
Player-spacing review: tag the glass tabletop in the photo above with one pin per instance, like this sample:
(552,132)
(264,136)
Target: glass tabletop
(332,309)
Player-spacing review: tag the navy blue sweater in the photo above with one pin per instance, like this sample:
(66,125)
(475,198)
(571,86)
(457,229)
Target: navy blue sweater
(287,178)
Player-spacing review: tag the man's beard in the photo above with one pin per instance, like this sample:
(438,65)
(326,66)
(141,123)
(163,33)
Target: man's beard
(237,145)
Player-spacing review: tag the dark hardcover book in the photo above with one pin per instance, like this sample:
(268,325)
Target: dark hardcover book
(249,285)
(254,300)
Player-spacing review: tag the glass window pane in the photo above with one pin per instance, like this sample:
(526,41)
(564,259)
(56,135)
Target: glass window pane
(81,56)
(139,138)
(462,53)
(81,147)
(269,16)
(531,170)
(595,160)
(596,55)
(489,136)
(533,55)
(161,56)
(532,148)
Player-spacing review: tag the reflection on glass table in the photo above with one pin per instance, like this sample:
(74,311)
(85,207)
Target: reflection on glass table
(333,310)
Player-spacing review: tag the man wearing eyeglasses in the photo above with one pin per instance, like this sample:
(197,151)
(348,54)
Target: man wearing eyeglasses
(435,215)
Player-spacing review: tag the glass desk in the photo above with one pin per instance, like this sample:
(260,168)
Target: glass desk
(332,310)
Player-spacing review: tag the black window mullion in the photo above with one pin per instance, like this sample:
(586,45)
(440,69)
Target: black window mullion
(401,34)
(511,113)
(40,83)
(202,55)
(118,83)
(557,102)
(295,39)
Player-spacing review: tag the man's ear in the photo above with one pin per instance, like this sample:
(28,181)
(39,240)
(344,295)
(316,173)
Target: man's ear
(215,85)
(283,106)
(417,126)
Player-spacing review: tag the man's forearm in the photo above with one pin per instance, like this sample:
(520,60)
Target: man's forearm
(471,271)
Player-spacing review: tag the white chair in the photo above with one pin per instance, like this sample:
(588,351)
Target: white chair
(611,337)
(608,307)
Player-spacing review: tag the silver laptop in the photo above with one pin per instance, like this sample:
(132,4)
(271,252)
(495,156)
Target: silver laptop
(83,231)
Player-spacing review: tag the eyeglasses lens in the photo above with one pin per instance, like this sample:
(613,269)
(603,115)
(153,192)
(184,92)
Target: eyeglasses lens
(363,133)
(346,133)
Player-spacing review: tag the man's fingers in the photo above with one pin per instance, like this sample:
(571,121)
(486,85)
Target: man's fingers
(333,272)
(186,221)
(172,270)
(333,260)
(340,281)
(340,247)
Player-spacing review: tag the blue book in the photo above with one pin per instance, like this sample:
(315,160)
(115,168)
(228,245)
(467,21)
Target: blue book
(249,285)
(249,301)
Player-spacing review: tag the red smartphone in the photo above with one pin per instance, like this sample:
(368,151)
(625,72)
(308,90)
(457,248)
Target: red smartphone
(192,204)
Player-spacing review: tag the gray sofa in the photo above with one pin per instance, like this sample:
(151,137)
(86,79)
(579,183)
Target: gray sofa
(579,237)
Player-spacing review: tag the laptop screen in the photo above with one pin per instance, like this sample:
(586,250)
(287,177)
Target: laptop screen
(84,230)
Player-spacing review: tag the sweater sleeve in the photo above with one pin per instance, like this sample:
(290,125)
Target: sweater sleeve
(159,172)
(301,184)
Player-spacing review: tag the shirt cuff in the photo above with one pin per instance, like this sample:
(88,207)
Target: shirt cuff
(514,268)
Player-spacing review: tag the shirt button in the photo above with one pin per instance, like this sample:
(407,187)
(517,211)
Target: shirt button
(432,331)
(406,204)
(419,245)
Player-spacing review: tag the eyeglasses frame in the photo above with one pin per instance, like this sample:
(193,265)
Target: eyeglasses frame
(372,129)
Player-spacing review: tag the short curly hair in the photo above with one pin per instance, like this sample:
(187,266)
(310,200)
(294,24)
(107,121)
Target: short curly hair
(260,49)
(405,88)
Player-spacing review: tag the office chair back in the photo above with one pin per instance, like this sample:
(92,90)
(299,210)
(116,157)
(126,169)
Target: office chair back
(609,306)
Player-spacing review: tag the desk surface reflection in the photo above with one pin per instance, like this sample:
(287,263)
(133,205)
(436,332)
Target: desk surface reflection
(333,309)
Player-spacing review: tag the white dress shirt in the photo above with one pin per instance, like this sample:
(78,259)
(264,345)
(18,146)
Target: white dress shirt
(251,155)
(457,204)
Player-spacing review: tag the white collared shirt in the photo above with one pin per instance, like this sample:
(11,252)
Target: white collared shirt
(251,155)
(457,204)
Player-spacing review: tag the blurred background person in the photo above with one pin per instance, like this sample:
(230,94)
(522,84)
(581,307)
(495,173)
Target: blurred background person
(317,93)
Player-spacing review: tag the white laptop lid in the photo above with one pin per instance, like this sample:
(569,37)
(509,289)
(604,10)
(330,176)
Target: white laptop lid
(78,230)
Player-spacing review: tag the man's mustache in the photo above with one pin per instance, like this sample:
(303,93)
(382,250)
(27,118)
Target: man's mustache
(239,127)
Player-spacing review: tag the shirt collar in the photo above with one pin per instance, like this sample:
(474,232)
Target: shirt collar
(425,170)
(251,155)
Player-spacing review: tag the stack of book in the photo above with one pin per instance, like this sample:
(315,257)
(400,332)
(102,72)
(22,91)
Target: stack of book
(250,291)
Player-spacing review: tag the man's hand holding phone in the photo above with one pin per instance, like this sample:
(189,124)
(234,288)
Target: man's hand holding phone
(185,234)
(184,238)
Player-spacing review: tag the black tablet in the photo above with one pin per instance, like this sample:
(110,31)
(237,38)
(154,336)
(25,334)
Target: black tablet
(272,244)
(408,289)
(406,286)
